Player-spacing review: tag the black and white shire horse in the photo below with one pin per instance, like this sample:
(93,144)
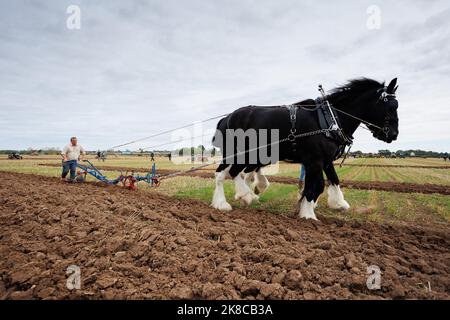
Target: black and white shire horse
(359,101)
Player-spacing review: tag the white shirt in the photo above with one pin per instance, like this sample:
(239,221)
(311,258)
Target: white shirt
(72,152)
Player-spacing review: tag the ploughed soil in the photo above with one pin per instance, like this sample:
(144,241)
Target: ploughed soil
(141,244)
(25,158)
(404,187)
(394,166)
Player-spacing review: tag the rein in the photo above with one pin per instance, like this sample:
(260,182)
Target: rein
(384,97)
(367,123)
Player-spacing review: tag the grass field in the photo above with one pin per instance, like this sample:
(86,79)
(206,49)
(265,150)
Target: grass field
(398,161)
(369,205)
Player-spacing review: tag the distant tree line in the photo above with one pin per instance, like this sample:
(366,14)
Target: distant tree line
(385,153)
(201,150)
(31,151)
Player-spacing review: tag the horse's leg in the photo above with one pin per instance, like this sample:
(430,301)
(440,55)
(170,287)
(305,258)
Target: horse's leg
(243,192)
(219,201)
(314,185)
(335,196)
(249,175)
(316,200)
(261,182)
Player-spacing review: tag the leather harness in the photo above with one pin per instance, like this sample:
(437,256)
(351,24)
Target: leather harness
(329,125)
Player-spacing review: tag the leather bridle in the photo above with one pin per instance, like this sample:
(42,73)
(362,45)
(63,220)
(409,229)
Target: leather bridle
(376,130)
(385,98)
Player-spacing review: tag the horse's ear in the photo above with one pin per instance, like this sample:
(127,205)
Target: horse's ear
(391,86)
(395,89)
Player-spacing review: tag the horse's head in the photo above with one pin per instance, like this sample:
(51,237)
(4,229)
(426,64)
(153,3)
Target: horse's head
(370,102)
(379,110)
(383,114)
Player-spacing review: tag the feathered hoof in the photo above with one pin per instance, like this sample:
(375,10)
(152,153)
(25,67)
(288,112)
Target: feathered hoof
(247,198)
(222,206)
(341,205)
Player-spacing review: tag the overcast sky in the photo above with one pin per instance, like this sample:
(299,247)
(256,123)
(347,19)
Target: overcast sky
(135,68)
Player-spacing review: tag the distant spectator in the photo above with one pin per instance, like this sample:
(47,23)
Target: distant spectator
(301,178)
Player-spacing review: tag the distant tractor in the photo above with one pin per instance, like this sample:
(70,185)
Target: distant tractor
(15,156)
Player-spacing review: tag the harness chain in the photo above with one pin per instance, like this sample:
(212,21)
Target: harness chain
(292,136)
(193,169)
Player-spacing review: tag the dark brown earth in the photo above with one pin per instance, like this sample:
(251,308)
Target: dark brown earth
(404,187)
(142,244)
(25,158)
(394,166)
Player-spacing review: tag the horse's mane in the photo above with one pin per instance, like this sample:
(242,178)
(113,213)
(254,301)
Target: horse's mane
(359,85)
(348,90)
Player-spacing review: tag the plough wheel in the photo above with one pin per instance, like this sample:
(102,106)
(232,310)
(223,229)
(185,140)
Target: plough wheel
(80,176)
(129,182)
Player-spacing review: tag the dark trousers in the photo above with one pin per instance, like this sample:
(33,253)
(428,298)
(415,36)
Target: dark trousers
(71,166)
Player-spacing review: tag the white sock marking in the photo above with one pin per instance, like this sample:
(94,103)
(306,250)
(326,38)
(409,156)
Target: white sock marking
(219,201)
(243,192)
(261,181)
(336,198)
(307,209)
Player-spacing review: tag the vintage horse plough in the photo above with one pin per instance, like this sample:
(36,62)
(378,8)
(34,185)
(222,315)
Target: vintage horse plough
(128,180)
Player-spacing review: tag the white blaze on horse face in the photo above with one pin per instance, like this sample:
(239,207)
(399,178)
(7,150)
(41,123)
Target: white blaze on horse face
(336,198)
(219,201)
(261,181)
(243,192)
(307,209)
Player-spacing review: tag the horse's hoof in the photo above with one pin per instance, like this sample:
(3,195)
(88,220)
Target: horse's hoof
(247,199)
(309,218)
(343,205)
(222,206)
(260,188)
